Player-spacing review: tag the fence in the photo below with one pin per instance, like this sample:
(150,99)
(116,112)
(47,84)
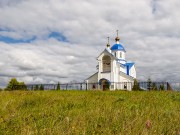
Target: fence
(96,86)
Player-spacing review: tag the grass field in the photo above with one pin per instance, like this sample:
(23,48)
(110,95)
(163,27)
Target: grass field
(89,112)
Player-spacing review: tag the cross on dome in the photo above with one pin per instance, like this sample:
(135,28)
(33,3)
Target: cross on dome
(108,45)
(117,38)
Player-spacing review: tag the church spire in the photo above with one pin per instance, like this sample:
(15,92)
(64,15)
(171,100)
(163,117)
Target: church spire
(108,45)
(117,38)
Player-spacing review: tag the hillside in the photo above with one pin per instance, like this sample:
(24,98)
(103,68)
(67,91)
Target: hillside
(89,112)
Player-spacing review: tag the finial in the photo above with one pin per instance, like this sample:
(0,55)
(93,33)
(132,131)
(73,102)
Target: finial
(108,45)
(117,38)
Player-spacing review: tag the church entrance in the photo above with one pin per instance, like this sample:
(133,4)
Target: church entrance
(105,84)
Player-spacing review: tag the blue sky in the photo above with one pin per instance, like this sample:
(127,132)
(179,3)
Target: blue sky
(10,40)
(43,41)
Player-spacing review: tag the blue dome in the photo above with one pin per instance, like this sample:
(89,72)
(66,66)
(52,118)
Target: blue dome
(117,47)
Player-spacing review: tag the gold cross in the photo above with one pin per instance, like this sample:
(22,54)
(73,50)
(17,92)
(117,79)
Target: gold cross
(117,33)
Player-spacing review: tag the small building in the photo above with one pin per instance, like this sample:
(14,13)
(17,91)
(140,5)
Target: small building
(114,72)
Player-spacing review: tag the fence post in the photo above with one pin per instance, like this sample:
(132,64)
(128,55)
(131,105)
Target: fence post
(86,86)
(66,86)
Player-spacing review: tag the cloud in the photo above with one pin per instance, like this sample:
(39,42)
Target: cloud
(48,61)
(57,40)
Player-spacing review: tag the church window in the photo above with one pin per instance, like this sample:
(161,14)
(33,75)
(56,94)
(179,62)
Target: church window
(94,86)
(120,54)
(115,54)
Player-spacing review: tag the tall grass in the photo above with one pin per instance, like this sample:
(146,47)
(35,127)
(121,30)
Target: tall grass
(89,112)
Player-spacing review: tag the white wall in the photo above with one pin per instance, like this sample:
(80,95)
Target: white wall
(118,55)
(133,71)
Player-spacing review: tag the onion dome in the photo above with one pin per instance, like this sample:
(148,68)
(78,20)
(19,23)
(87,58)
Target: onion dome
(117,47)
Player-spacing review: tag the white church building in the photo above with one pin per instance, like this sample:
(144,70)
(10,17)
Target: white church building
(114,71)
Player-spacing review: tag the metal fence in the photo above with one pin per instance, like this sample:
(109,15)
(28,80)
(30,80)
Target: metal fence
(148,86)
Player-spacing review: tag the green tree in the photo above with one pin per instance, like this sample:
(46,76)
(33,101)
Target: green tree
(36,87)
(169,88)
(41,87)
(58,86)
(154,87)
(22,86)
(161,87)
(136,86)
(15,85)
(149,84)
(12,85)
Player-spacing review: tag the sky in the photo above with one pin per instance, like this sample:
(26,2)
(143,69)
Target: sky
(50,41)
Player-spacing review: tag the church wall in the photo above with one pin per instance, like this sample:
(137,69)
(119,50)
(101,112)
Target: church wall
(133,71)
(119,54)
(123,69)
(92,80)
(100,61)
(124,80)
(106,75)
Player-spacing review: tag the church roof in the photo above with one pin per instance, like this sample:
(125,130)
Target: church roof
(117,47)
(92,75)
(106,50)
(130,64)
(126,75)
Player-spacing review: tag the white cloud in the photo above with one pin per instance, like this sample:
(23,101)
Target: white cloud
(150,37)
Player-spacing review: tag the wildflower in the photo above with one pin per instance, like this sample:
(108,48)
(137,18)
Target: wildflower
(148,124)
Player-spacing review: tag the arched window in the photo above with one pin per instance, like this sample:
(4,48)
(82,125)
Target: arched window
(106,64)
(120,54)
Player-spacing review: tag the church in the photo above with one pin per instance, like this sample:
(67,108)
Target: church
(114,71)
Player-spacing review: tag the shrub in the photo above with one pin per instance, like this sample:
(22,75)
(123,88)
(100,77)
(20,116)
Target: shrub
(136,86)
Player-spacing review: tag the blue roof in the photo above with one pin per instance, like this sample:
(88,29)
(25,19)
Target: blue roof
(130,64)
(128,67)
(117,47)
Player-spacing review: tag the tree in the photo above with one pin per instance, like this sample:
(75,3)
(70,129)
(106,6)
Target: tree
(169,87)
(149,84)
(136,86)
(58,86)
(154,87)
(15,85)
(22,86)
(41,87)
(12,84)
(161,87)
(36,87)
